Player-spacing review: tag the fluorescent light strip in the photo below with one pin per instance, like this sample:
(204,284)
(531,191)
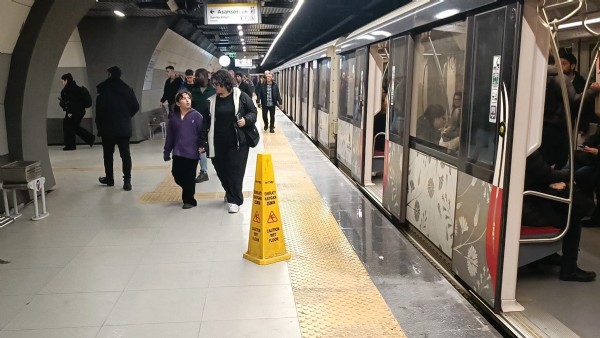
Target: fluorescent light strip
(119,13)
(578,23)
(296,10)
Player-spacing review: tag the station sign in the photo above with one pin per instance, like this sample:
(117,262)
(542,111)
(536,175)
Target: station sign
(232,14)
(232,55)
(243,63)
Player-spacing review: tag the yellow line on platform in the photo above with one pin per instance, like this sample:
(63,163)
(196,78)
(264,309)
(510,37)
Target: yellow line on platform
(335,297)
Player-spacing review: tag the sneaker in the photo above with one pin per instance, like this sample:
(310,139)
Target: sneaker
(577,276)
(233,208)
(187,206)
(203,176)
(106,180)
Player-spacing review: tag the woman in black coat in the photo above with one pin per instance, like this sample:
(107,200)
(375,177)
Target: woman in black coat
(231,112)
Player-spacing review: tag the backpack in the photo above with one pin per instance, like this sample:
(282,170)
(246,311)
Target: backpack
(86,98)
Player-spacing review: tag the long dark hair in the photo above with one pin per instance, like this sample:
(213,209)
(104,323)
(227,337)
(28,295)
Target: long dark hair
(223,79)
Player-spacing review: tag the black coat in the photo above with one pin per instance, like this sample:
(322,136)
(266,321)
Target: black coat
(116,104)
(71,100)
(262,94)
(170,90)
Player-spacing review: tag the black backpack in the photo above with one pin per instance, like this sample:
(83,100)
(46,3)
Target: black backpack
(86,98)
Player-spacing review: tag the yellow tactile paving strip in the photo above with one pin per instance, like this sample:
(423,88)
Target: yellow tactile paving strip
(334,294)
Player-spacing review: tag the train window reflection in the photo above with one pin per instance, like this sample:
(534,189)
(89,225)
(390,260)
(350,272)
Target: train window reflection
(397,87)
(324,74)
(438,80)
(348,78)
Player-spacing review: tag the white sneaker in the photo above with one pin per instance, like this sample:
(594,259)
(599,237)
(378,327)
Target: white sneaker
(233,208)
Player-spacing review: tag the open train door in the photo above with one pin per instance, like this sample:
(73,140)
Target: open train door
(484,159)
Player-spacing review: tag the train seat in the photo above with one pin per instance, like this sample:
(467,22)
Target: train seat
(378,157)
(531,252)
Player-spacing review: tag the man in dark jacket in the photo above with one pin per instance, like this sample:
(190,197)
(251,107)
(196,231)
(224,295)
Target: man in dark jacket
(172,85)
(115,106)
(269,97)
(537,211)
(201,91)
(72,102)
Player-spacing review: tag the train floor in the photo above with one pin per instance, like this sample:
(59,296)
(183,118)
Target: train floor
(575,305)
(108,262)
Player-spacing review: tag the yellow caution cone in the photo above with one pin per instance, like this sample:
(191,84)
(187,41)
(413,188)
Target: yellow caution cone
(266,244)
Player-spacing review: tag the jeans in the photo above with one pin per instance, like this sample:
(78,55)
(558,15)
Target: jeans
(203,163)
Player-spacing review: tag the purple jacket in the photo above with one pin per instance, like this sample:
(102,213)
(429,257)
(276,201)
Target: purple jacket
(184,137)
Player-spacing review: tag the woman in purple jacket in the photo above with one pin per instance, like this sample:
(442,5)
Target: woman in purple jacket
(185,139)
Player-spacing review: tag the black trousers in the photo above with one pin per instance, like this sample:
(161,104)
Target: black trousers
(271,111)
(108,148)
(184,173)
(230,165)
(71,127)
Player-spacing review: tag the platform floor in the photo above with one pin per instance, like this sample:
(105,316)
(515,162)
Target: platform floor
(110,263)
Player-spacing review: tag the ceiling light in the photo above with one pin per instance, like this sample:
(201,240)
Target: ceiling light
(239,27)
(241,33)
(243,43)
(242,39)
(578,23)
(224,60)
(291,17)
(119,13)
(382,33)
(446,14)
(366,37)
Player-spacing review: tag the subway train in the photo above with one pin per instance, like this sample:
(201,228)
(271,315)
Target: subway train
(432,111)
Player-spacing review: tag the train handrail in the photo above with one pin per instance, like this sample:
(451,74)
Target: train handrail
(558,21)
(553,28)
(381,133)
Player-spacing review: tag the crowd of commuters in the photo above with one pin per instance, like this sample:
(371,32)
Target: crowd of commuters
(207,118)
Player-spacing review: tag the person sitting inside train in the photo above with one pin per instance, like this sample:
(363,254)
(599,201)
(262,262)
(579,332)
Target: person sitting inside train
(540,212)
(430,124)
(451,133)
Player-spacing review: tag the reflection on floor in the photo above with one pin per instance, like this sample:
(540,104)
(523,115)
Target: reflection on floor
(576,305)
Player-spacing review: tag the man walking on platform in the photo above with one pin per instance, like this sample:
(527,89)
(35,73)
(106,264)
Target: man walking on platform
(73,100)
(269,97)
(115,107)
(172,86)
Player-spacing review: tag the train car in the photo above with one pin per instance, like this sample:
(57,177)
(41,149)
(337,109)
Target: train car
(433,111)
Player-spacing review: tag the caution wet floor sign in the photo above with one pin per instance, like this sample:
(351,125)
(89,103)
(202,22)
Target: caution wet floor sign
(265,241)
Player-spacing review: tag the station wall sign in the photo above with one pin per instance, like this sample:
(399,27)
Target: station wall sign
(232,14)
(243,63)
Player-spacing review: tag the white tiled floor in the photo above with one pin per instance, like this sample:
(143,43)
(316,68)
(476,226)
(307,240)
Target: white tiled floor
(104,265)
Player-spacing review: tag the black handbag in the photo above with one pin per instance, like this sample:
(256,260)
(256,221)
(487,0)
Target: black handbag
(252,135)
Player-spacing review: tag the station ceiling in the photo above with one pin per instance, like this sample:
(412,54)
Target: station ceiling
(317,22)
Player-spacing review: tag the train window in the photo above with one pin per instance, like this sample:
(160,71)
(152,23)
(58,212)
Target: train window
(397,87)
(438,80)
(347,73)
(324,74)
(487,52)
(305,84)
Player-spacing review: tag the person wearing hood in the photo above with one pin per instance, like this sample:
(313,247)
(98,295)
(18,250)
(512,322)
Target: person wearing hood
(116,105)
(231,111)
(185,139)
(201,91)
(72,101)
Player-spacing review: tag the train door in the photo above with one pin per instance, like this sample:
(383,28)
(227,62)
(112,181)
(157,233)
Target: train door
(287,91)
(294,90)
(323,106)
(488,110)
(298,93)
(304,96)
(312,100)
(375,119)
(397,124)
(353,84)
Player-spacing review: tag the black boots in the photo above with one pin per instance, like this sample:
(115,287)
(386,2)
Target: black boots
(109,181)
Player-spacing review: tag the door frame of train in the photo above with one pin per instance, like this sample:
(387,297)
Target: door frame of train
(312,112)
